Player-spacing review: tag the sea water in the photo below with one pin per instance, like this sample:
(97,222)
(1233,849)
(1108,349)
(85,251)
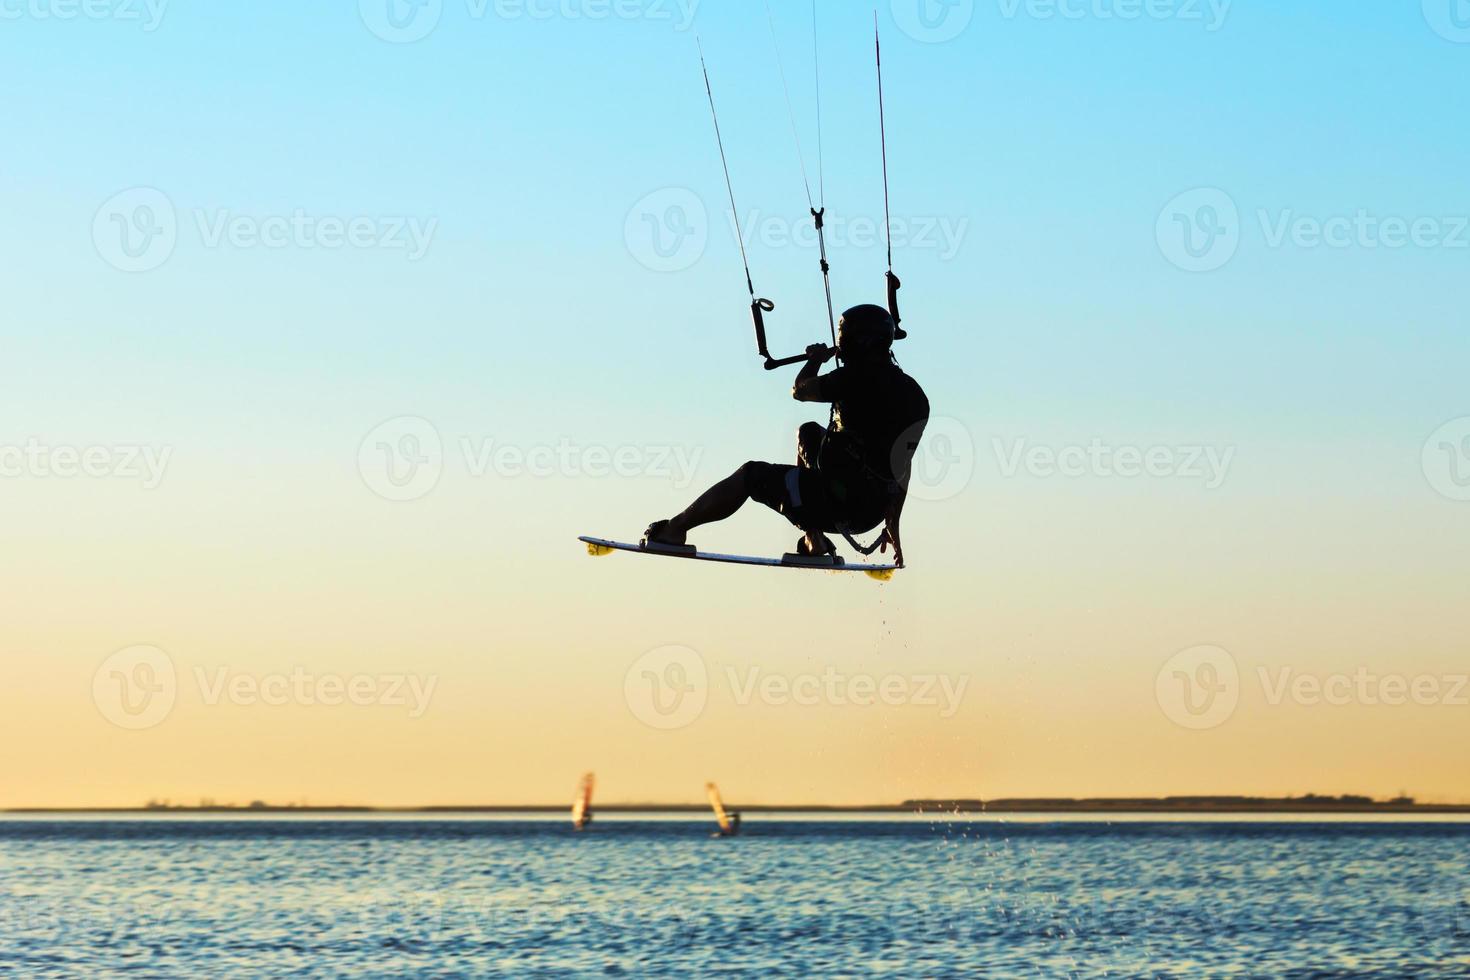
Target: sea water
(165,897)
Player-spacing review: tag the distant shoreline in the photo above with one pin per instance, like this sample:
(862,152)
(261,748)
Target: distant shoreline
(1168,805)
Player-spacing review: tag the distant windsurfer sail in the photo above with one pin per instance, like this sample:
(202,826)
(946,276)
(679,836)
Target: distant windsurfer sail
(729,823)
(582,805)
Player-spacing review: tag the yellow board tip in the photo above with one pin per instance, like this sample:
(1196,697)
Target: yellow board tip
(599,550)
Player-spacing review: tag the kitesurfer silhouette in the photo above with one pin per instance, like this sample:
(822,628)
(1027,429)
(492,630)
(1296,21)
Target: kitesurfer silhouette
(849,477)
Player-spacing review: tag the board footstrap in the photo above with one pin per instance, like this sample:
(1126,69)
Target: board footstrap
(813,561)
(682,550)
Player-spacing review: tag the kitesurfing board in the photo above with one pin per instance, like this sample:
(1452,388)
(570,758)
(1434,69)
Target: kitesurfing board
(598,547)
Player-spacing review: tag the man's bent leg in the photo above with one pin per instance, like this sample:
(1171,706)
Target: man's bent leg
(718,503)
(771,484)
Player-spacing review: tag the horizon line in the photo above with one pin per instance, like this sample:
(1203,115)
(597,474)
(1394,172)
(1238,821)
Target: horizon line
(1209,803)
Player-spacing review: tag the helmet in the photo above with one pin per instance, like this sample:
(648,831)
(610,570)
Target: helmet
(865,332)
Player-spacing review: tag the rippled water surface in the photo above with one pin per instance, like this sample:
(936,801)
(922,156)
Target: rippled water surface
(446,898)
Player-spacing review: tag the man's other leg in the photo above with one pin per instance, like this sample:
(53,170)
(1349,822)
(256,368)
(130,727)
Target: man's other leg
(809,441)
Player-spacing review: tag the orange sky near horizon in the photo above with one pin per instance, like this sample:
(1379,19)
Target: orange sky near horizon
(1022,652)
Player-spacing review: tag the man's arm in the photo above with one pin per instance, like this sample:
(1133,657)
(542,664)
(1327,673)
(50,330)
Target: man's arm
(808,386)
(892,534)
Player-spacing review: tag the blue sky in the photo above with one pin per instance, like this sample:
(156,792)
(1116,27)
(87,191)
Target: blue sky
(1053,142)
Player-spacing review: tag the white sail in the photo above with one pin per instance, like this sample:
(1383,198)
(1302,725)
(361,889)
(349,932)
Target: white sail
(582,805)
(721,817)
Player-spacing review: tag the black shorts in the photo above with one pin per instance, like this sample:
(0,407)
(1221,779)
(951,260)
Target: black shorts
(814,500)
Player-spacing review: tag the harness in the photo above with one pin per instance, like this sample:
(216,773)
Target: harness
(855,456)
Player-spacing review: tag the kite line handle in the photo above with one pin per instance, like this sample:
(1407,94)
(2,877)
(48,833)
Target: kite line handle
(894,285)
(758,310)
(772,364)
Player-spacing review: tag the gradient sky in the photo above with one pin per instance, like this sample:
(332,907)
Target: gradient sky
(535,144)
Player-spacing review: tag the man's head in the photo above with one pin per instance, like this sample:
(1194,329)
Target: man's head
(865,333)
